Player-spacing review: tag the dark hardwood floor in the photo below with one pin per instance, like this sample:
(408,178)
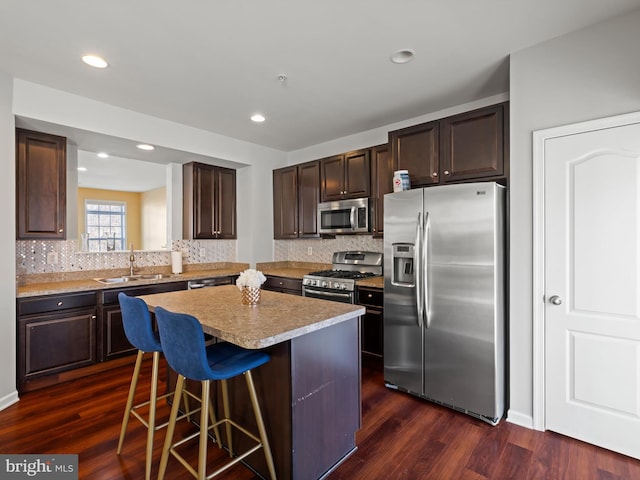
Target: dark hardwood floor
(402,437)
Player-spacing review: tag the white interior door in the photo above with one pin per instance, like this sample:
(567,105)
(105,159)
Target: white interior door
(592,286)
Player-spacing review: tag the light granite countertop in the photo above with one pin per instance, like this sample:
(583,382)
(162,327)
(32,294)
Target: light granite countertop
(277,318)
(50,284)
(299,269)
(69,282)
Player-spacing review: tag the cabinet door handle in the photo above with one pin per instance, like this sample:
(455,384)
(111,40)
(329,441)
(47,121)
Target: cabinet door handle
(434,174)
(447,172)
(60,303)
(60,230)
(93,317)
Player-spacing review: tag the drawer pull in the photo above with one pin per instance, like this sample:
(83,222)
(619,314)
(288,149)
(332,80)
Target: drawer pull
(370,295)
(60,303)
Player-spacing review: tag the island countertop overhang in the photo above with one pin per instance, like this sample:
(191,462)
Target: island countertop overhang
(277,318)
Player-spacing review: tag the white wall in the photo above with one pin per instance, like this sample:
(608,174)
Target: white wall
(154,219)
(8,394)
(588,74)
(43,103)
(379,136)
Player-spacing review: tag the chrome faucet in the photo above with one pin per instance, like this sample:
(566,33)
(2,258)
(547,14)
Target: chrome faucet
(132,259)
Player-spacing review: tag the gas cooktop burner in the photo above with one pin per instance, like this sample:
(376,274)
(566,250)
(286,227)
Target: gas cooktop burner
(343,274)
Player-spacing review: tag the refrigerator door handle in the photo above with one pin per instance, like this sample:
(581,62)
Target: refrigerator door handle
(425,267)
(417,262)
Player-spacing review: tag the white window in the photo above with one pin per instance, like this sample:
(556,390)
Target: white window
(105,223)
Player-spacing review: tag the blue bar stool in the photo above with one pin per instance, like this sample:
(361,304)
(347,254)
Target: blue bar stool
(184,350)
(138,328)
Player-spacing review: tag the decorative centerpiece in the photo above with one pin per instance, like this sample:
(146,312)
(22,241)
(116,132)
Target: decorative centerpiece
(249,283)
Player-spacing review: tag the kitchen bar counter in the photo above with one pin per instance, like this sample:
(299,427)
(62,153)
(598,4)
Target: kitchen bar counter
(277,318)
(310,390)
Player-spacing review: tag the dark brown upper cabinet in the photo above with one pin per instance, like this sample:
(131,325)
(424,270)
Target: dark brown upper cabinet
(417,149)
(209,202)
(461,148)
(381,183)
(296,193)
(347,175)
(473,144)
(41,186)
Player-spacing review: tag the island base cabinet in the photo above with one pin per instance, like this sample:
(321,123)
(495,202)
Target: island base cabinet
(310,400)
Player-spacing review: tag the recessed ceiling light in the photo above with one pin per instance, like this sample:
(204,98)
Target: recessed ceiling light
(82,169)
(103,155)
(402,56)
(95,61)
(258,118)
(144,146)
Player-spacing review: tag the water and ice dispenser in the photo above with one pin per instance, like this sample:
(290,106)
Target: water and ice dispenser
(403,274)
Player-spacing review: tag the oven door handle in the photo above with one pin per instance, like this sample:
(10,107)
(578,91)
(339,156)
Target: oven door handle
(328,294)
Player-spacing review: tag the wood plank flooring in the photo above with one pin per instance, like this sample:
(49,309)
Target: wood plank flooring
(402,438)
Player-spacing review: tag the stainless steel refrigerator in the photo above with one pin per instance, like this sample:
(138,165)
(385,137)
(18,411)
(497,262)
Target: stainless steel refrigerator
(444,302)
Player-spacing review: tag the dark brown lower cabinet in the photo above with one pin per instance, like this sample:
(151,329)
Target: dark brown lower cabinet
(371,333)
(292,286)
(67,336)
(51,343)
(114,342)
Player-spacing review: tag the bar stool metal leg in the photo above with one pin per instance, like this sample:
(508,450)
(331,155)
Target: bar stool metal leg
(225,405)
(170,429)
(132,392)
(261,429)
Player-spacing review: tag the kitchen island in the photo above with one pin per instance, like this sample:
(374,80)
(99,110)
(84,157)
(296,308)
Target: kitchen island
(309,391)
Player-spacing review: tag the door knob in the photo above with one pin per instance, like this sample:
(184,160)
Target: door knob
(556,300)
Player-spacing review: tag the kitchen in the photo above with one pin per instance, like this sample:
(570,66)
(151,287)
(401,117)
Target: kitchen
(542,93)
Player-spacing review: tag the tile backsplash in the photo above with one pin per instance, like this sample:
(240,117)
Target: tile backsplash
(322,249)
(52,256)
(32,255)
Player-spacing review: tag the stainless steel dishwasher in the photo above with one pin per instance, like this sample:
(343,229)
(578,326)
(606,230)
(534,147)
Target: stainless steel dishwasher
(209,282)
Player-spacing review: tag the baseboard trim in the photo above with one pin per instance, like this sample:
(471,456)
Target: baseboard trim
(9,400)
(520,419)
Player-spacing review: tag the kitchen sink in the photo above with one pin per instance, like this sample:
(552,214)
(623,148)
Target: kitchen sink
(131,278)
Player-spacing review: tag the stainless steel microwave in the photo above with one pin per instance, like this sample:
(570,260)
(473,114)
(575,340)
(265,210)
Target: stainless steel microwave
(344,216)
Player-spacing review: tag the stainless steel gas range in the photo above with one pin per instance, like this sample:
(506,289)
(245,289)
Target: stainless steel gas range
(338,284)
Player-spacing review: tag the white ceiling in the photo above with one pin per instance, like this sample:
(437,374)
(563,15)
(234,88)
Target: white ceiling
(211,64)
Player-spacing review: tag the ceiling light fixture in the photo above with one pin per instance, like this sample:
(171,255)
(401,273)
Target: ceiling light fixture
(258,118)
(404,55)
(103,155)
(95,61)
(144,146)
